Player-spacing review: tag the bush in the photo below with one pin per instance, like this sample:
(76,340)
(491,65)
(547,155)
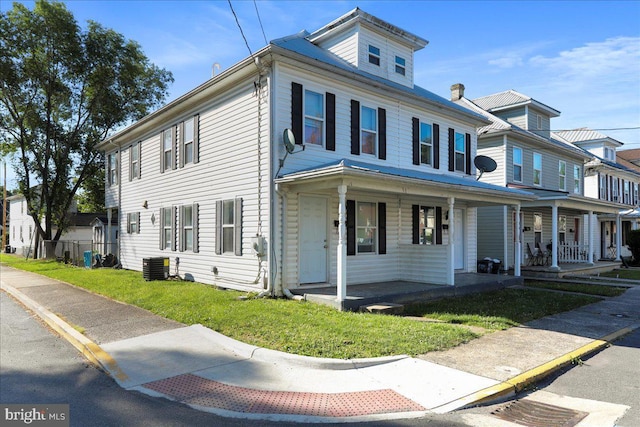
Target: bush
(633,242)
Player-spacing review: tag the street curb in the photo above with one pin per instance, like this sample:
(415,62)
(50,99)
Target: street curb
(90,350)
(511,387)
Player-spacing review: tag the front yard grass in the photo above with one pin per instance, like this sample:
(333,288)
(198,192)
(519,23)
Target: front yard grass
(582,288)
(311,329)
(623,273)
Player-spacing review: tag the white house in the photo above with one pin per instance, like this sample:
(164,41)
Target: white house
(315,160)
(21,226)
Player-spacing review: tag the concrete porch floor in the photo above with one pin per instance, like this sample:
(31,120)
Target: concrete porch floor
(403,292)
(572,269)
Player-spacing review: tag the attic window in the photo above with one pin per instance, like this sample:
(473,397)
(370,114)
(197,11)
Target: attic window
(539,121)
(374,55)
(400,66)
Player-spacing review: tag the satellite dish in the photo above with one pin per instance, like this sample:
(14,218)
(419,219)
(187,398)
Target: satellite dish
(484,164)
(289,140)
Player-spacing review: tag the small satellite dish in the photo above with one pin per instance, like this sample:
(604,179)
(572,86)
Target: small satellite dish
(484,164)
(289,140)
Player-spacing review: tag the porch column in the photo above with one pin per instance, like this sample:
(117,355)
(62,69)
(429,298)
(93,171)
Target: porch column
(517,244)
(590,231)
(450,263)
(554,237)
(342,243)
(618,236)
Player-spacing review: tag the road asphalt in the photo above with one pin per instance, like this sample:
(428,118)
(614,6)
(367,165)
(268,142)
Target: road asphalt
(211,372)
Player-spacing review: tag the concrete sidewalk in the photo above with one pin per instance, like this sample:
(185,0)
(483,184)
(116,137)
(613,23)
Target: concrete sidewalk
(211,372)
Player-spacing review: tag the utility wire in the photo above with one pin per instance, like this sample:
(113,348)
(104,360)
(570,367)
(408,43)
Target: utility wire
(260,21)
(240,27)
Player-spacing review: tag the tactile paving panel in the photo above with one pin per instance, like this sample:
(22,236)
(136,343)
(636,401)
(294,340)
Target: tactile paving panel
(195,390)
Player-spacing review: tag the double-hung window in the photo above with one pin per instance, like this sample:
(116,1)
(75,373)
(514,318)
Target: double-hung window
(133,223)
(366,227)
(562,175)
(562,228)
(187,228)
(229,226)
(313,118)
(112,167)
(400,65)
(517,164)
(460,155)
(576,179)
(627,193)
(427,225)
(426,144)
(167,220)
(188,140)
(134,161)
(603,188)
(537,228)
(167,149)
(537,169)
(374,55)
(369,130)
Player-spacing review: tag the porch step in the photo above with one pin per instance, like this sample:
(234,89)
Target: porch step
(383,308)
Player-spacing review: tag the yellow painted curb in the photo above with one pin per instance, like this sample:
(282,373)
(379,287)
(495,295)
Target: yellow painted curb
(90,350)
(519,382)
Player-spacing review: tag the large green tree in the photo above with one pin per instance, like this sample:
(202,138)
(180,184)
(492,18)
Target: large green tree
(63,89)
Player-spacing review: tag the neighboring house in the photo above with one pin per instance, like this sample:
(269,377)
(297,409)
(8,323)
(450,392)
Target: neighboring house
(377,185)
(21,227)
(561,222)
(104,234)
(609,179)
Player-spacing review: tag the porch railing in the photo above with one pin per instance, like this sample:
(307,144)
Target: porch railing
(569,252)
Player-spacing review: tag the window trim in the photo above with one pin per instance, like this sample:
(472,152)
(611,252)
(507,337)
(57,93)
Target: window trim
(517,165)
(112,174)
(400,66)
(133,218)
(237,227)
(134,161)
(322,120)
(375,227)
(538,121)
(374,132)
(430,145)
(459,136)
(171,150)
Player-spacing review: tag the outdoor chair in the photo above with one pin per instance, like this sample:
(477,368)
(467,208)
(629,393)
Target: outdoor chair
(545,255)
(534,257)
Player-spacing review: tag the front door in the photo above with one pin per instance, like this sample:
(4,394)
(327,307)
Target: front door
(458,262)
(313,239)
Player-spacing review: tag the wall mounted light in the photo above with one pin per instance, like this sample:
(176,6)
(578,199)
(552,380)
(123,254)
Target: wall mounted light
(526,229)
(145,204)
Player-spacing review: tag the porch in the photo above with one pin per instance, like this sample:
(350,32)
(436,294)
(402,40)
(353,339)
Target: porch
(404,292)
(568,269)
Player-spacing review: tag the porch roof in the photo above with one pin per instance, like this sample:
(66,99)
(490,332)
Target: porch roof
(367,176)
(565,199)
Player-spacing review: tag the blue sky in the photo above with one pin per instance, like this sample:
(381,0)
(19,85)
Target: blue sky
(579,57)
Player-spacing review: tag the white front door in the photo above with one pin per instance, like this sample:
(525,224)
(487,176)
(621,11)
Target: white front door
(313,239)
(458,225)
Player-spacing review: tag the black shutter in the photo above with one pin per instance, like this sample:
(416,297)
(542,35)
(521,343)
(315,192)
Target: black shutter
(382,133)
(438,225)
(436,145)
(415,224)
(467,149)
(351,227)
(296,111)
(600,195)
(331,121)
(382,228)
(355,127)
(452,150)
(415,138)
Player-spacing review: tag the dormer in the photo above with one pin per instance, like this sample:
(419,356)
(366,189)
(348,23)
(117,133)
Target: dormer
(520,110)
(592,141)
(372,45)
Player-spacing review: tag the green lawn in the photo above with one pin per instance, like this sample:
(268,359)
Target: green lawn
(623,273)
(306,328)
(583,288)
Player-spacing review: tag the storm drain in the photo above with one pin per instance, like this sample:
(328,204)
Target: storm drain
(535,414)
(195,390)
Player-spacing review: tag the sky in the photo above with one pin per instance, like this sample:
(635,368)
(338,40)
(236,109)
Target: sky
(579,57)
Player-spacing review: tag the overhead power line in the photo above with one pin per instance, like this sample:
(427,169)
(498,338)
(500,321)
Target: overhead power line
(260,21)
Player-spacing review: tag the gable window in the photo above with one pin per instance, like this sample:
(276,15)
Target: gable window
(167,150)
(167,228)
(562,174)
(426,144)
(368,130)
(537,169)
(229,226)
(400,65)
(517,164)
(313,118)
(189,228)
(366,227)
(460,157)
(134,161)
(374,55)
(133,223)
(112,168)
(576,179)
(538,121)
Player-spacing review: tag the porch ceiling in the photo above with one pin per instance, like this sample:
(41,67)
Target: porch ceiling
(369,177)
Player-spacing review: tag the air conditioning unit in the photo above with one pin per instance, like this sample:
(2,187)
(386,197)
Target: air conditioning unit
(155,268)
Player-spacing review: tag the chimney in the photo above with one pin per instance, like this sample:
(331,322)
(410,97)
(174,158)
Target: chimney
(457,91)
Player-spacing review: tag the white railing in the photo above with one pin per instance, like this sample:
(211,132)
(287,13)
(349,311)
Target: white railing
(569,252)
